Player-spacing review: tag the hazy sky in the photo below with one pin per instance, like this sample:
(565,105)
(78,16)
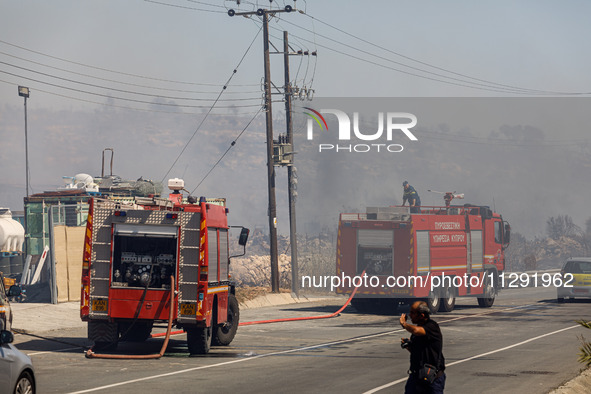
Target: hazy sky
(529,44)
(527,158)
(110,73)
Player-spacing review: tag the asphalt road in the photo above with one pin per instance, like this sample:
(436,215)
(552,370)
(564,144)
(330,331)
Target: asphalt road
(525,343)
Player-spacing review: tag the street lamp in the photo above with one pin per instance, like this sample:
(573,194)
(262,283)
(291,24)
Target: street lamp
(24,92)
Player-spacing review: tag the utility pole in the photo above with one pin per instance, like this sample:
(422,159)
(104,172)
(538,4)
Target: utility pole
(270,164)
(270,144)
(290,172)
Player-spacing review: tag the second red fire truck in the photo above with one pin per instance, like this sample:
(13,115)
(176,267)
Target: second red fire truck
(437,255)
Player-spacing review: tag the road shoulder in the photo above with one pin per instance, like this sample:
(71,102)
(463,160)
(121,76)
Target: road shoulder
(577,385)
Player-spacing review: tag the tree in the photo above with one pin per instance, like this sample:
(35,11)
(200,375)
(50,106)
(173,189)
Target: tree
(585,353)
(518,249)
(561,226)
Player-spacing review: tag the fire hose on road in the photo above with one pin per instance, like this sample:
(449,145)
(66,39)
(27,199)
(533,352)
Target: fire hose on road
(91,354)
(168,333)
(250,323)
(334,314)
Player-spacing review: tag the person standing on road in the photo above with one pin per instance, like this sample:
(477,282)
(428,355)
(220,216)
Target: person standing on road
(427,364)
(411,195)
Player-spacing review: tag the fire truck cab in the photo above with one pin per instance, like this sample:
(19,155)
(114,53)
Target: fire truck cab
(137,256)
(437,255)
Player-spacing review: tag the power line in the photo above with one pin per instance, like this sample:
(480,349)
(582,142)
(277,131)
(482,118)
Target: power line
(315,61)
(492,85)
(130,108)
(500,90)
(184,7)
(123,98)
(212,106)
(487,85)
(466,84)
(302,46)
(227,150)
(121,90)
(299,65)
(115,72)
(204,3)
(308,63)
(431,65)
(119,82)
(480,84)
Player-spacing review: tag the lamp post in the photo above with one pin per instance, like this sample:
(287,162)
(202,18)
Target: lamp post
(24,92)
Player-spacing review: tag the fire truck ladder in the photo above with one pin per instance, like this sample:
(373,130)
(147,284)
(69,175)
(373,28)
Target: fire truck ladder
(100,268)
(188,264)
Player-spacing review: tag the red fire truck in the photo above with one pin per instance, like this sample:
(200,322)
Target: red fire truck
(137,256)
(437,254)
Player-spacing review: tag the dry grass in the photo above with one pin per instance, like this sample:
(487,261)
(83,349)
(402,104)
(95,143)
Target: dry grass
(246,293)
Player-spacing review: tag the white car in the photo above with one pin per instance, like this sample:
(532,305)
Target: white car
(576,279)
(16,369)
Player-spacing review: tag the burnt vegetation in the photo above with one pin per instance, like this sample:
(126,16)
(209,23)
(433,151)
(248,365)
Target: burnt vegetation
(563,239)
(317,252)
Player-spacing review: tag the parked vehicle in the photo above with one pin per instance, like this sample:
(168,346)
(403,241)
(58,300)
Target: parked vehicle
(576,279)
(17,374)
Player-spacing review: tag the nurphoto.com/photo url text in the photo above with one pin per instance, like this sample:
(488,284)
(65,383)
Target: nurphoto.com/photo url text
(510,280)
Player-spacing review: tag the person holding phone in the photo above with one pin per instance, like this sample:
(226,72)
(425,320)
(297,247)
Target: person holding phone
(427,364)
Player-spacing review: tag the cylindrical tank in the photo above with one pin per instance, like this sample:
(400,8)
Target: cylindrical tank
(12,233)
(5,266)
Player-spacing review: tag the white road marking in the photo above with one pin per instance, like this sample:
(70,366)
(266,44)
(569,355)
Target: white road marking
(375,390)
(289,351)
(235,361)
(53,351)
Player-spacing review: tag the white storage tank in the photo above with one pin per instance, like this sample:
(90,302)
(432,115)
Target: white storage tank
(12,233)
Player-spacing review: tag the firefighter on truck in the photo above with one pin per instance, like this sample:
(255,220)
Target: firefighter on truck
(437,254)
(138,255)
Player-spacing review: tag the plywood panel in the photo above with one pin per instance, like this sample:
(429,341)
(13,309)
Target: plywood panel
(75,248)
(61,263)
(69,243)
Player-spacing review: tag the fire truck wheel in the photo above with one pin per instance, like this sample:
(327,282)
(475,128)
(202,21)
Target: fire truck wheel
(433,302)
(448,301)
(224,334)
(361,305)
(104,334)
(488,297)
(138,333)
(378,306)
(198,340)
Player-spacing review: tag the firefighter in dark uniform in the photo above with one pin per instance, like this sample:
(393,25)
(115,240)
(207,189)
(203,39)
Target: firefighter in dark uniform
(410,194)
